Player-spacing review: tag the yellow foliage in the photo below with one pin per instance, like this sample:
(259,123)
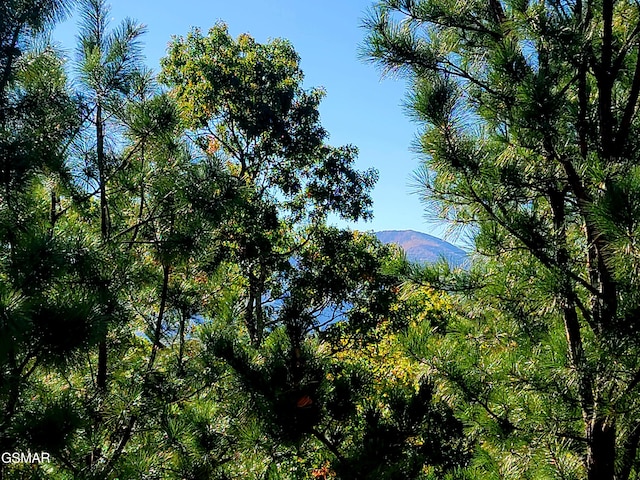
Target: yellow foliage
(389,360)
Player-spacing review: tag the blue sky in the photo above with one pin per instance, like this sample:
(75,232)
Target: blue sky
(360,108)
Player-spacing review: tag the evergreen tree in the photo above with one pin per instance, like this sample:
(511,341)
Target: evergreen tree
(109,64)
(38,118)
(530,137)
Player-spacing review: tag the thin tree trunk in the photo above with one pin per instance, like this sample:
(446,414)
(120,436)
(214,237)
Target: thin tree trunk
(181,333)
(166,271)
(104,212)
(569,313)
(600,432)
(101,376)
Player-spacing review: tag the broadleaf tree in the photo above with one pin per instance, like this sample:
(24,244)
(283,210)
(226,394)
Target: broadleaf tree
(244,103)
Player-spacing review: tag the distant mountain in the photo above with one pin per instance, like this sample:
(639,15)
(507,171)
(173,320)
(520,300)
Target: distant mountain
(423,248)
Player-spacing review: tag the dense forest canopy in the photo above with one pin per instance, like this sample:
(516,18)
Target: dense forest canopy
(174,305)
(173,302)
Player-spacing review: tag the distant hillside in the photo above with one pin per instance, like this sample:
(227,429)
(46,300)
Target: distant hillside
(423,248)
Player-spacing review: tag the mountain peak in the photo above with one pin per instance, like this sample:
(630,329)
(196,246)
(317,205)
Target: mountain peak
(422,247)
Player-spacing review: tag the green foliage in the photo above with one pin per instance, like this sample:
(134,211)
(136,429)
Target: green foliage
(172,302)
(246,101)
(530,140)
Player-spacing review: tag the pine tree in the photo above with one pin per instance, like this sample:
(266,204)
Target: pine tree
(47,300)
(530,137)
(109,63)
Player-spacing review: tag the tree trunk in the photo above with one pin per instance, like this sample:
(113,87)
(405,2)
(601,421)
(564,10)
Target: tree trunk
(101,376)
(601,451)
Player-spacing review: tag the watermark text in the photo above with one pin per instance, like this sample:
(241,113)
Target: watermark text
(25,457)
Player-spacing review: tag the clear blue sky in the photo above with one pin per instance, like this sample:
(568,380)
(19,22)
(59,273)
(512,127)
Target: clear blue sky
(360,108)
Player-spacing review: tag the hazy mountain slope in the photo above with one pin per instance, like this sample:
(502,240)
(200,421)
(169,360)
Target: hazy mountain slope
(421,247)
